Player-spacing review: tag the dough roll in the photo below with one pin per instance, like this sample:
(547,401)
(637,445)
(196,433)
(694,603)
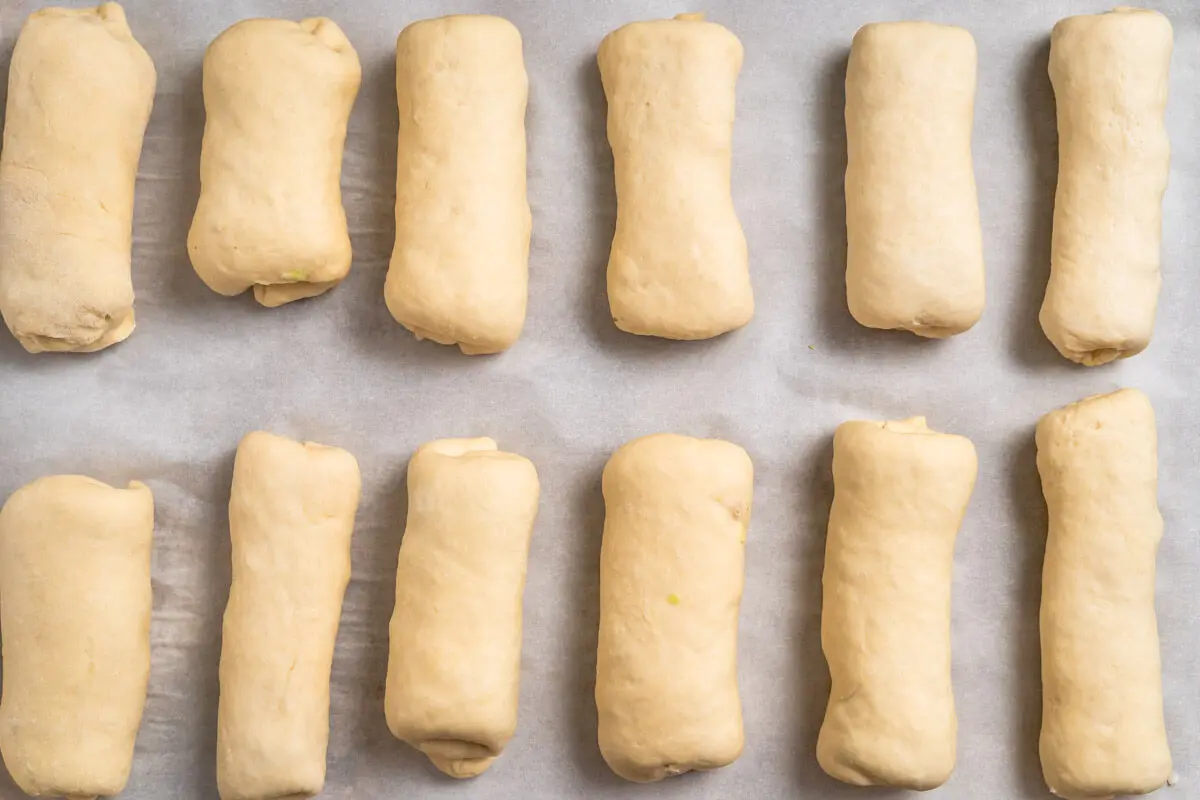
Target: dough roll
(277,99)
(900,492)
(1103,731)
(79,94)
(291,516)
(678,266)
(914,257)
(1109,73)
(75,620)
(459,272)
(676,513)
(454,653)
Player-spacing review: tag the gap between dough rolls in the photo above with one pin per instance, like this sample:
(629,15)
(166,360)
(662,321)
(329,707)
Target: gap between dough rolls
(900,493)
(1103,731)
(291,517)
(80,88)
(75,601)
(672,568)
(454,642)
(277,100)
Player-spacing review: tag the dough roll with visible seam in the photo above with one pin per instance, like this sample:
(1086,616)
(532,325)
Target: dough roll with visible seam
(672,564)
(678,267)
(277,100)
(459,272)
(291,516)
(1109,73)
(1103,731)
(454,651)
(914,258)
(75,604)
(80,89)
(900,493)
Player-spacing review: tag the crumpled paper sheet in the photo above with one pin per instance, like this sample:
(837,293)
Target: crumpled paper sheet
(169,405)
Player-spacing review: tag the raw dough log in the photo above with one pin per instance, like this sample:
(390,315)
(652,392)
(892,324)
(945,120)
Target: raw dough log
(1109,73)
(460,268)
(454,660)
(900,492)
(79,95)
(915,249)
(1103,731)
(75,618)
(291,515)
(678,266)
(671,573)
(277,99)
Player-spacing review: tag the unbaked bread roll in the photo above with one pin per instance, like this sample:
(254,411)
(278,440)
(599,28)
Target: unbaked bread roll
(454,652)
(678,266)
(1109,73)
(459,272)
(291,516)
(676,512)
(914,259)
(1103,731)
(277,99)
(79,94)
(900,492)
(75,620)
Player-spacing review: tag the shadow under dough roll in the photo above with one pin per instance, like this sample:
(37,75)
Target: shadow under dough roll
(900,493)
(678,267)
(277,99)
(1109,73)
(454,651)
(80,89)
(459,272)
(672,565)
(1103,731)
(291,516)
(75,603)
(914,256)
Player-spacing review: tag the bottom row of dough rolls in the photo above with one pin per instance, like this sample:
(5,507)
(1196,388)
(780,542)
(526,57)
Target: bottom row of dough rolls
(75,605)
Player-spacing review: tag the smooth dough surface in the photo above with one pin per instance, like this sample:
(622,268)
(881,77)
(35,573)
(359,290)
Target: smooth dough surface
(459,272)
(75,604)
(672,563)
(291,516)
(1109,73)
(900,492)
(454,651)
(80,89)
(277,99)
(678,267)
(915,248)
(1103,731)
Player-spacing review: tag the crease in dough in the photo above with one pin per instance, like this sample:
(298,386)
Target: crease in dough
(454,652)
(80,89)
(277,100)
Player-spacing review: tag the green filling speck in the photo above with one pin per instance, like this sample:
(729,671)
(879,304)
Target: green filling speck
(673,599)
(295,275)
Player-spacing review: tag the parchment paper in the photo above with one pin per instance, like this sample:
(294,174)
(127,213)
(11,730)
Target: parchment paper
(169,405)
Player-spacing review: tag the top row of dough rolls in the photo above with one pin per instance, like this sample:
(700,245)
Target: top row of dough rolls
(278,96)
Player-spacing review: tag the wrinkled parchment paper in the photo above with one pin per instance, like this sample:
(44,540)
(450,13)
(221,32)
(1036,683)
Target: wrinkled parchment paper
(169,405)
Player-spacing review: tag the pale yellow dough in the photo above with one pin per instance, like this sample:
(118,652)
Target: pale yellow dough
(900,492)
(459,272)
(1103,731)
(1110,83)
(79,94)
(75,620)
(277,99)
(678,266)
(915,248)
(454,657)
(291,516)
(672,562)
